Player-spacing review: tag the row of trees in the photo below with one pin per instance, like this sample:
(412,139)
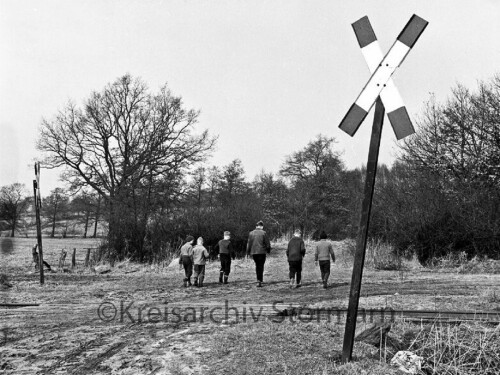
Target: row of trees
(443,193)
(139,153)
(60,212)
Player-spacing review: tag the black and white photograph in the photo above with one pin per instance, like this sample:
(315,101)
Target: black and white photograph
(233,187)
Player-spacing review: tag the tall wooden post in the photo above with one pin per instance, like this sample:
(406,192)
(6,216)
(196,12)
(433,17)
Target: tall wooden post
(359,256)
(381,91)
(36,188)
(87,258)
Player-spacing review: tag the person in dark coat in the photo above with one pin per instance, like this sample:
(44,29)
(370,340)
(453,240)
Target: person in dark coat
(258,246)
(225,250)
(295,252)
(324,250)
(186,260)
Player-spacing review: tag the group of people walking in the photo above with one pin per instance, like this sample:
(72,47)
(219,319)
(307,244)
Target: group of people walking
(258,246)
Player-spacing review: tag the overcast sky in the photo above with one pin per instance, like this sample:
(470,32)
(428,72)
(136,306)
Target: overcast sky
(268,76)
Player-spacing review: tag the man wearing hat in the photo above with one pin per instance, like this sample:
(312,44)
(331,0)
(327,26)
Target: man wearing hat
(186,259)
(226,252)
(258,246)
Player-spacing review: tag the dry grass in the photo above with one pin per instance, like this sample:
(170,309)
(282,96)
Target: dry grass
(43,338)
(288,348)
(315,348)
(471,348)
(458,262)
(380,256)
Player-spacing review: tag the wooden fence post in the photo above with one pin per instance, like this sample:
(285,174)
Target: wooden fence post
(87,258)
(73,259)
(62,259)
(34,254)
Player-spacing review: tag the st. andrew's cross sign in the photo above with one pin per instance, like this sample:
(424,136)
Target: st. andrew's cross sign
(379,89)
(380,83)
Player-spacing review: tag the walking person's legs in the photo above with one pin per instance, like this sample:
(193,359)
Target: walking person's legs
(188,270)
(221,271)
(196,274)
(201,275)
(298,268)
(260,260)
(291,273)
(325,271)
(225,268)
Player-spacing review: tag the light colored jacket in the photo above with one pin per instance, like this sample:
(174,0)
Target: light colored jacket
(187,250)
(324,250)
(200,254)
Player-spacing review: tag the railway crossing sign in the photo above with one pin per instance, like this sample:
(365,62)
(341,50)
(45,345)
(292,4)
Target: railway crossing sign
(381,91)
(380,82)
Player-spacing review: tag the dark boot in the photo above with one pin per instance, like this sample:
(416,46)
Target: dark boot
(189,281)
(195,281)
(200,282)
(259,285)
(221,274)
(225,279)
(185,283)
(299,281)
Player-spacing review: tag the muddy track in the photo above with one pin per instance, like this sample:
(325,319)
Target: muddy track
(65,333)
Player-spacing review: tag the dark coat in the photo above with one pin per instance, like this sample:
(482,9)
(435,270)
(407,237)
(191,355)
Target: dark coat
(225,247)
(296,249)
(258,242)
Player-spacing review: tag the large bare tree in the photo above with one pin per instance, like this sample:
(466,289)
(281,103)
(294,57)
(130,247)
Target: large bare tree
(122,142)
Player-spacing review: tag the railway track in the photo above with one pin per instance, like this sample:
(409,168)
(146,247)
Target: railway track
(125,312)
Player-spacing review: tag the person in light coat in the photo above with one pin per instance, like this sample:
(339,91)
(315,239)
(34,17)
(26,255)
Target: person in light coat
(324,250)
(186,260)
(200,256)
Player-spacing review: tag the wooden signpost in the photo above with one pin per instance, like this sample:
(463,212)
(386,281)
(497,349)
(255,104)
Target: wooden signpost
(38,204)
(380,89)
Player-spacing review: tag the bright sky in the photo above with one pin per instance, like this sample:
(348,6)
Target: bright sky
(268,76)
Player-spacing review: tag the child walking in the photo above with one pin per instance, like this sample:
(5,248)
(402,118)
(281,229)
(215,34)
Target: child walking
(324,250)
(295,252)
(186,260)
(200,254)
(226,252)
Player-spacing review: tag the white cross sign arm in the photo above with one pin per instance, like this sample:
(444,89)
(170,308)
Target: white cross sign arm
(379,81)
(393,103)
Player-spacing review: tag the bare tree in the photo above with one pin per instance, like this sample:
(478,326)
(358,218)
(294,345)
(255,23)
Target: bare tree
(122,142)
(55,206)
(84,205)
(315,173)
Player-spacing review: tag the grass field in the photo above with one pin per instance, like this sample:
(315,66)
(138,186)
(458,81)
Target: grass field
(138,319)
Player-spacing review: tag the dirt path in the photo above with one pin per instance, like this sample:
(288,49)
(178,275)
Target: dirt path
(146,323)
